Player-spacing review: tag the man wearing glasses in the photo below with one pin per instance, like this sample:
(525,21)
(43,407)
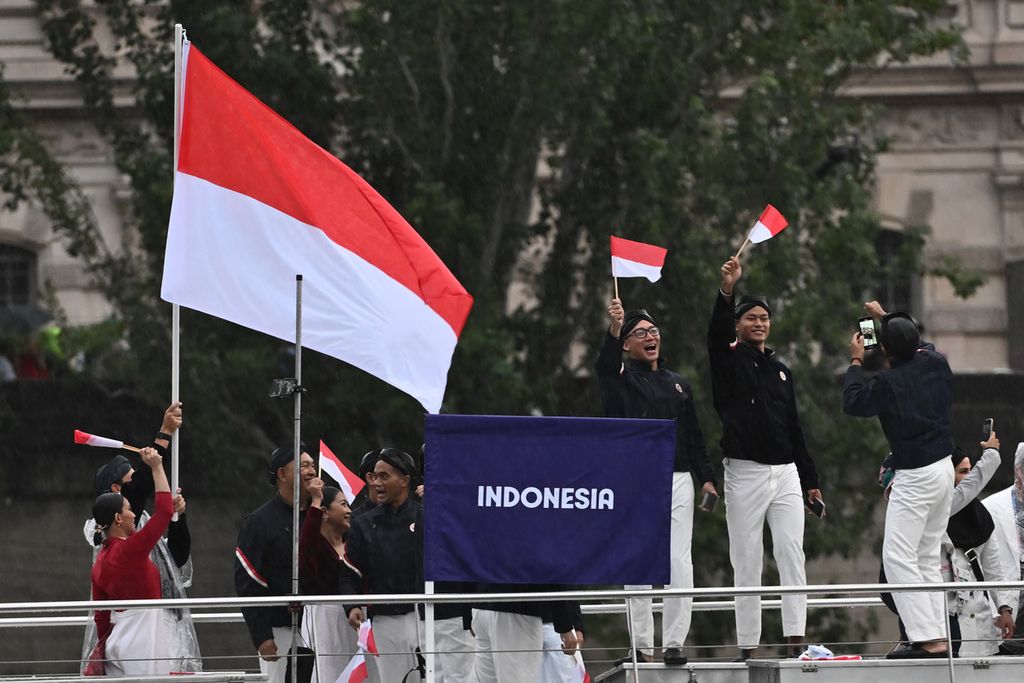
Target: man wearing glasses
(640,387)
(768,470)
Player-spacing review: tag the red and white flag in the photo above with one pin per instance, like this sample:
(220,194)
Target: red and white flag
(348,480)
(355,671)
(770,224)
(636,259)
(92,440)
(256,203)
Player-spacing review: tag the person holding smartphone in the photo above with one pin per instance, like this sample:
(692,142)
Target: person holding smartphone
(912,400)
(641,387)
(769,474)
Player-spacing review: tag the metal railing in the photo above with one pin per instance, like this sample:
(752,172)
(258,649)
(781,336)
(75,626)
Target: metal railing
(712,601)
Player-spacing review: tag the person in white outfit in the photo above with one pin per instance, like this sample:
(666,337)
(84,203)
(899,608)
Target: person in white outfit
(970,553)
(912,399)
(769,474)
(642,387)
(1007,510)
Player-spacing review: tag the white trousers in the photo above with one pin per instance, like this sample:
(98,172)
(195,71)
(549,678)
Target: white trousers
(456,650)
(326,629)
(141,643)
(675,622)
(275,671)
(915,522)
(508,647)
(397,638)
(754,494)
(556,666)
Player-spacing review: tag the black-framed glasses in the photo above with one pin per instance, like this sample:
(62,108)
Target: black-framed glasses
(642,332)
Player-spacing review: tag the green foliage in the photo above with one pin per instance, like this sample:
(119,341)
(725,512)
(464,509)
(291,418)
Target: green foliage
(517,136)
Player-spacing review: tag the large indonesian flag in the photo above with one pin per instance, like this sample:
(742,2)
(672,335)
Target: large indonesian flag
(256,203)
(770,224)
(636,259)
(348,480)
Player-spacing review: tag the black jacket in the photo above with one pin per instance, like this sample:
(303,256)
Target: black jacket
(755,396)
(633,389)
(263,565)
(561,613)
(386,545)
(912,400)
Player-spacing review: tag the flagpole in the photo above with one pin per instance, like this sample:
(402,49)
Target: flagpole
(616,281)
(428,588)
(179,36)
(296,464)
(745,243)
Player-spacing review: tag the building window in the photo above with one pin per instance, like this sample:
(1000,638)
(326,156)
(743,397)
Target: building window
(17,275)
(894,287)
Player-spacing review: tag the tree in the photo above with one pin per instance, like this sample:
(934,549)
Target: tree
(517,136)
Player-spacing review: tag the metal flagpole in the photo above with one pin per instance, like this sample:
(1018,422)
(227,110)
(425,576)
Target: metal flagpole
(179,37)
(297,476)
(428,588)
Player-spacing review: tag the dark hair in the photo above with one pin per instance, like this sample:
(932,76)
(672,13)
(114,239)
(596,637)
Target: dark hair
(107,505)
(368,461)
(900,336)
(281,456)
(631,319)
(330,493)
(400,460)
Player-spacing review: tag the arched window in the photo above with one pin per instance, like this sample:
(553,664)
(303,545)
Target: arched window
(17,275)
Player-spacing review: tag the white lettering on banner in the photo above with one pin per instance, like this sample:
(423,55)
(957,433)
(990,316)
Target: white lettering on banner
(547,498)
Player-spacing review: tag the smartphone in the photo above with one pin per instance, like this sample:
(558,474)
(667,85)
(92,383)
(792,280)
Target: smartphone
(817,507)
(867,330)
(707,503)
(986,428)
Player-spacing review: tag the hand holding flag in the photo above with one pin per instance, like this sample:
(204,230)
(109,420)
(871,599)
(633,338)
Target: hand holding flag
(87,439)
(768,225)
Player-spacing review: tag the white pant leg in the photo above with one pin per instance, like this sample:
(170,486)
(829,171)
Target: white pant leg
(747,494)
(326,630)
(786,521)
(397,638)
(675,623)
(283,639)
(640,621)
(914,524)
(556,666)
(508,647)
(455,647)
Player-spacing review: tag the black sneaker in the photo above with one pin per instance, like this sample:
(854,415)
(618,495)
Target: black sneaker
(674,656)
(745,654)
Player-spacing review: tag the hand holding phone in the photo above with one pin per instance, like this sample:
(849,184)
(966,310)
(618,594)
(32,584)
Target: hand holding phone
(816,506)
(707,502)
(867,330)
(986,428)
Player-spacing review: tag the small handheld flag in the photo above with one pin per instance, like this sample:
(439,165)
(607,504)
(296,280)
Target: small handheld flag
(635,259)
(768,225)
(348,481)
(87,439)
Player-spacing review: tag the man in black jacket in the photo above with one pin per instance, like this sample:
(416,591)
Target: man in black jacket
(768,472)
(641,387)
(263,564)
(386,545)
(912,400)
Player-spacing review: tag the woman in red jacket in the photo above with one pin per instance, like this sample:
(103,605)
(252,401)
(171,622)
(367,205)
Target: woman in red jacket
(134,642)
(321,563)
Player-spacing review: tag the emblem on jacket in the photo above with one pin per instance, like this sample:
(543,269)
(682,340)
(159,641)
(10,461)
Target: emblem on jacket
(782,374)
(679,388)
(412,527)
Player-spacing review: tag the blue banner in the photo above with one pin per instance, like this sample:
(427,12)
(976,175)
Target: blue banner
(547,499)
